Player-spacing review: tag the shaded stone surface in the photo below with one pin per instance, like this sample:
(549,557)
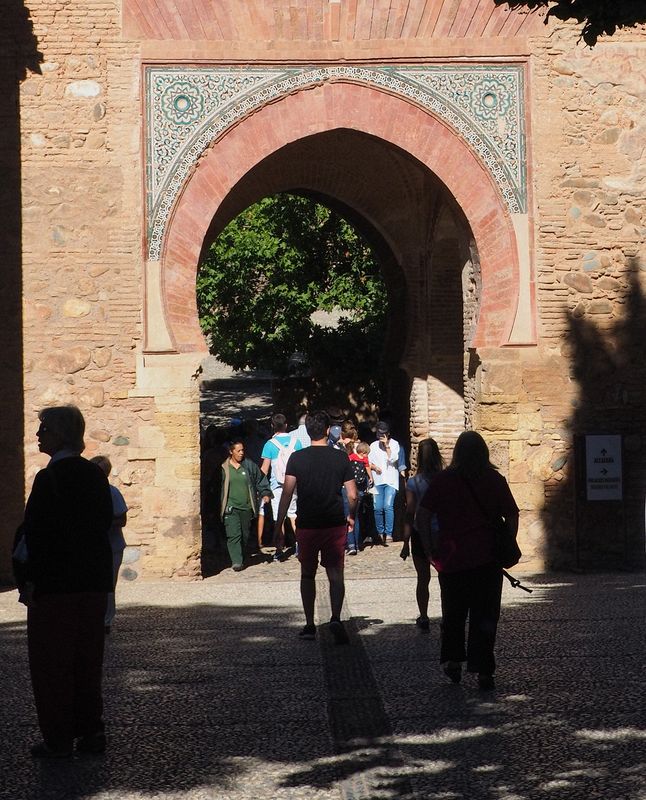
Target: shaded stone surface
(210,694)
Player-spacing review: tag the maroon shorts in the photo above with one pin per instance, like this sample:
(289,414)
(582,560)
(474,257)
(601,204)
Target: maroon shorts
(329,542)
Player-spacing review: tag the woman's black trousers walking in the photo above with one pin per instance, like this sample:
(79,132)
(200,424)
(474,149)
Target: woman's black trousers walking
(473,594)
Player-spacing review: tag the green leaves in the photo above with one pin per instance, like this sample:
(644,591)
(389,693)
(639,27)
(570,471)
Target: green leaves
(278,262)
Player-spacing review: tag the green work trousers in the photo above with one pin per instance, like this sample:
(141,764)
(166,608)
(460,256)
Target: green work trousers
(237,526)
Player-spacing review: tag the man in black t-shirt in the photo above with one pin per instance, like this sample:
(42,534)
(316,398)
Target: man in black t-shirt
(318,474)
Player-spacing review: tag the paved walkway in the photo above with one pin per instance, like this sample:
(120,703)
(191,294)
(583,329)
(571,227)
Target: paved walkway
(210,694)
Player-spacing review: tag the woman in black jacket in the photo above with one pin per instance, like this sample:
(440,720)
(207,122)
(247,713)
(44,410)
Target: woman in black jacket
(68,576)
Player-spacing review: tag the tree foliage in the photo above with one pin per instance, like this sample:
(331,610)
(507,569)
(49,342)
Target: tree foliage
(273,266)
(598,17)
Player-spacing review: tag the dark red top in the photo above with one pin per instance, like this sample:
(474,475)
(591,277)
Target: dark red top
(466,536)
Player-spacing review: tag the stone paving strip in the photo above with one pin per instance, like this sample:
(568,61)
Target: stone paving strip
(210,694)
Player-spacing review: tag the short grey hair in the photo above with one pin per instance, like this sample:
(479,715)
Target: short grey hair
(67,423)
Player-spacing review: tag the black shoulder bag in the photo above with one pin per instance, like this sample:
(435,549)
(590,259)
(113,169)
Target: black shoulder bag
(506,549)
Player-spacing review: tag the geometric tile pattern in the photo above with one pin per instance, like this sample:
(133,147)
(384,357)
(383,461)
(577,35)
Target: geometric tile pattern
(188,107)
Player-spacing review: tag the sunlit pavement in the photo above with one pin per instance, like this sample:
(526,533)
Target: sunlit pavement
(210,694)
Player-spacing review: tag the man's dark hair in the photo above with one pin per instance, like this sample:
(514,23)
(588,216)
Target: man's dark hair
(317,424)
(279,423)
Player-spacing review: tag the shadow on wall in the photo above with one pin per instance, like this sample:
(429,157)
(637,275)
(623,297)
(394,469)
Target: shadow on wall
(18,56)
(225,701)
(608,364)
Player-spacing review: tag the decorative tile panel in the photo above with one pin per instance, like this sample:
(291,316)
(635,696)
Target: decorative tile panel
(188,107)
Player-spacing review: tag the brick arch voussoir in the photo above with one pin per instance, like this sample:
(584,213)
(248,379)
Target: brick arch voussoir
(331,106)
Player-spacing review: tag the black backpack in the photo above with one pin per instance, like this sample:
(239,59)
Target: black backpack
(360,475)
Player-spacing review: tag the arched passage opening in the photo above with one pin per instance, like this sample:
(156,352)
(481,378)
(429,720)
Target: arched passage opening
(421,242)
(444,236)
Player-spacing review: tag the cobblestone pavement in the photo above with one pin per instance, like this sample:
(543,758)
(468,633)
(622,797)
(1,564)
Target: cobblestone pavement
(210,694)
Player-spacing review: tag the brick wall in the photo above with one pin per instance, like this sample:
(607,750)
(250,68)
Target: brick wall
(80,176)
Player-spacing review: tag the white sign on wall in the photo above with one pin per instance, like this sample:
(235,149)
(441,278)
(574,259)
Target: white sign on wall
(603,468)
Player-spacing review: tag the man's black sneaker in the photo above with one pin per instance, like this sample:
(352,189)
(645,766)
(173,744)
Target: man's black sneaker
(423,623)
(41,750)
(486,683)
(308,632)
(453,671)
(338,632)
(94,744)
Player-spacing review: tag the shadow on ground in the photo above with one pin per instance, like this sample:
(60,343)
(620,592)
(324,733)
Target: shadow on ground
(217,701)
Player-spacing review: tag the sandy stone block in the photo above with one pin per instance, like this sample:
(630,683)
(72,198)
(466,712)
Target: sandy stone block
(83,89)
(547,381)
(594,220)
(633,216)
(174,472)
(70,361)
(581,283)
(150,436)
(502,379)
(528,496)
(516,451)
(539,462)
(609,136)
(493,420)
(180,430)
(608,284)
(530,421)
(37,312)
(100,435)
(76,307)
(166,502)
(95,141)
(600,307)
(518,472)
(102,356)
(142,453)
(55,394)
(94,396)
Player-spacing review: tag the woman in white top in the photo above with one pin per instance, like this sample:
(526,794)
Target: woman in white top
(384,462)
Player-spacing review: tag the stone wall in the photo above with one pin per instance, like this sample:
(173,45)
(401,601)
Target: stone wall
(83,280)
(84,285)
(587,156)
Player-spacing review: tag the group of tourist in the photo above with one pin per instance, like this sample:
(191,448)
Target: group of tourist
(243,474)
(70,544)
(320,488)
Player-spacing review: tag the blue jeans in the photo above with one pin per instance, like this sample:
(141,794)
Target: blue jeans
(354,537)
(385,509)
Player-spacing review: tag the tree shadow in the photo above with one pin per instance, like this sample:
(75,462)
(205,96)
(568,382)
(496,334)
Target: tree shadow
(18,56)
(223,700)
(608,365)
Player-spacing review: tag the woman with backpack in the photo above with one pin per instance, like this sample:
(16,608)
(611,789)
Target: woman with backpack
(429,463)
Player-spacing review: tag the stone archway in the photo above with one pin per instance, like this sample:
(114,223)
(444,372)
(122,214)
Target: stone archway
(327,107)
(419,180)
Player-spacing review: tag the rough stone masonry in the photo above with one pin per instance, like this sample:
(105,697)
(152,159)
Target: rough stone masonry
(499,162)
